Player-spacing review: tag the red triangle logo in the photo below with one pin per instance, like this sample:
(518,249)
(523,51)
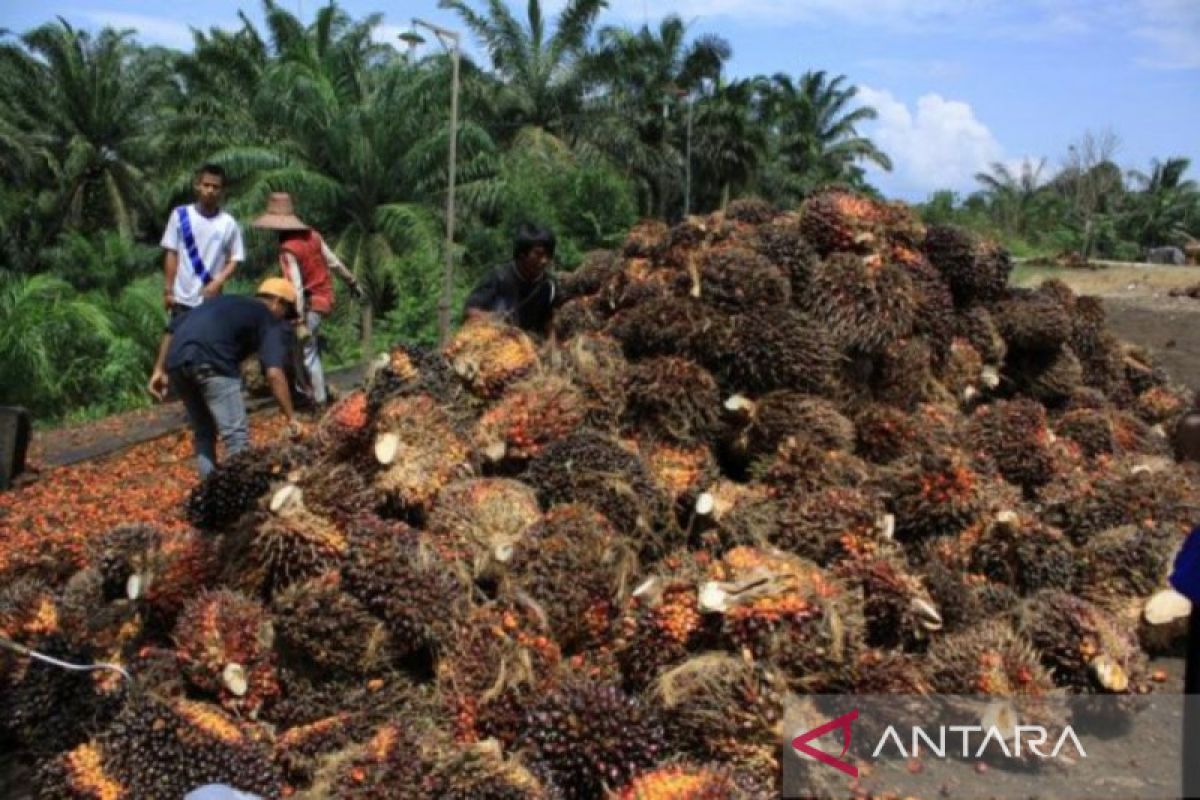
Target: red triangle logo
(843,722)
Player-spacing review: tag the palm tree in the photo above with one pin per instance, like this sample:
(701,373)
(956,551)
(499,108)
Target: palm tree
(1013,198)
(541,84)
(637,117)
(1166,207)
(814,133)
(730,143)
(89,105)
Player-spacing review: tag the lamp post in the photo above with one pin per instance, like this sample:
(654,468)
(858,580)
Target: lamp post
(450,41)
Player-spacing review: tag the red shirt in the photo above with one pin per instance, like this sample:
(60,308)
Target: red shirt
(314,271)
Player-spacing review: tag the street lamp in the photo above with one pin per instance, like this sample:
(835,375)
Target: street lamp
(450,41)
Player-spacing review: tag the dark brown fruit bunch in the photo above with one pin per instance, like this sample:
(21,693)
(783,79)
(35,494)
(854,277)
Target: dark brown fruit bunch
(1014,434)
(480,522)
(290,545)
(989,659)
(410,370)
(898,609)
(588,735)
(1091,429)
(1128,562)
(1024,554)
(579,316)
(223,640)
(232,489)
(751,210)
(783,350)
(978,327)
(1033,322)
(935,318)
(976,270)
(737,280)
(800,465)
(482,772)
(598,268)
(672,326)
(905,375)
(785,247)
(866,302)
(317,624)
(647,239)
(935,494)
(673,399)
(828,524)
(839,221)
(1048,377)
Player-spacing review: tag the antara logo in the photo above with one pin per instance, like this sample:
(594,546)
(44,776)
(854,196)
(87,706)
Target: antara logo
(1018,740)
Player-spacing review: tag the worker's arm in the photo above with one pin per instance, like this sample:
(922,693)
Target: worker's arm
(170,268)
(281,392)
(342,270)
(158,378)
(213,287)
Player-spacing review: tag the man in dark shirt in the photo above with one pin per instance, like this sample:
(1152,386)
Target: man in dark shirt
(200,359)
(521,292)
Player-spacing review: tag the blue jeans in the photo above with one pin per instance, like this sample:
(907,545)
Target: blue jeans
(214,407)
(312,358)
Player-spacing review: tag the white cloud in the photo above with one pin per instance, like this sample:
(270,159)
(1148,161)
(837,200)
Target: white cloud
(1171,28)
(940,144)
(150,30)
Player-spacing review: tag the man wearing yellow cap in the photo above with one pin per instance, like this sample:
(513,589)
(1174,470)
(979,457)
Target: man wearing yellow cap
(200,356)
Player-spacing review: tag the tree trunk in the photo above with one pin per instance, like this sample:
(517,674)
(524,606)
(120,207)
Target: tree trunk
(724,197)
(1087,238)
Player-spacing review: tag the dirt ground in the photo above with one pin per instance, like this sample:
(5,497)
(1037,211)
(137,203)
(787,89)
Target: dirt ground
(1140,309)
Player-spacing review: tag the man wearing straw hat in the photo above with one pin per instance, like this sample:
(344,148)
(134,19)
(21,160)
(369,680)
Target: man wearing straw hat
(200,356)
(306,261)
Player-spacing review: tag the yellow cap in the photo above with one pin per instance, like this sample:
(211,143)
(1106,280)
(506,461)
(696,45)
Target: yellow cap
(278,287)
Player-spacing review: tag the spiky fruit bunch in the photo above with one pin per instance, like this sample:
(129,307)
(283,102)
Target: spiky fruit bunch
(1048,377)
(575,566)
(482,772)
(290,544)
(1024,554)
(935,494)
(1142,370)
(647,239)
(232,489)
(91,621)
(529,416)
(1014,434)
(498,659)
(662,623)
(672,326)
(420,451)
(1089,323)
(891,672)
(639,282)
(1163,405)
(1033,322)
(167,748)
(785,246)
(681,472)
(962,597)
(27,612)
(223,640)
(751,211)
(122,552)
(346,423)
(962,373)
(588,735)
(771,419)
(413,369)
(591,468)
(693,782)
(783,350)
(897,607)
(482,521)
(977,270)
(989,659)
(1089,428)
(1134,436)
(407,585)
(78,774)
(320,625)
(828,524)
(800,465)
(392,765)
(978,327)
(489,355)
(1104,369)
(1131,561)
(299,749)
(837,220)
(723,708)
(905,375)
(1084,647)
(596,364)
(866,302)
(735,279)
(884,433)
(935,319)
(788,612)
(579,316)
(186,563)
(674,398)
(597,269)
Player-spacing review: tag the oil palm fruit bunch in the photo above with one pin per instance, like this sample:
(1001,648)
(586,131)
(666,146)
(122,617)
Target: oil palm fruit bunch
(482,521)
(800,465)
(596,364)
(722,709)
(321,626)
(345,425)
(232,489)
(1091,429)
(289,543)
(1130,562)
(828,524)
(1032,321)
(1018,551)
(841,221)
(409,369)
(577,569)
(760,426)
(407,584)
(782,244)
(489,355)
(597,268)
(224,642)
(736,279)
(681,472)
(482,771)
(897,608)
(787,349)
(935,494)
(866,302)
(420,451)
(673,397)
(976,269)
(646,239)
(672,326)
(530,415)
(587,735)
(787,612)
(989,659)
(1016,436)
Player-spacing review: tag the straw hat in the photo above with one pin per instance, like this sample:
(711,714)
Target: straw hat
(280,216)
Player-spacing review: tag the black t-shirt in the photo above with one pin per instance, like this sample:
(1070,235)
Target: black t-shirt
(528,305)
(224,331)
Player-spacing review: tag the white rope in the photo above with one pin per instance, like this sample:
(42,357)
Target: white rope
(21,649)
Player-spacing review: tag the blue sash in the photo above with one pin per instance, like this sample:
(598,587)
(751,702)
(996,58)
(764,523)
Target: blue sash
(189,244)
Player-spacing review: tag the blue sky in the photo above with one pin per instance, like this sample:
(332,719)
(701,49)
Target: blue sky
(958,83)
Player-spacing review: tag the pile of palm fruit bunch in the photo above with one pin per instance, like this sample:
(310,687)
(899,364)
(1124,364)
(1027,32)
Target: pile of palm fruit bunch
(760,456)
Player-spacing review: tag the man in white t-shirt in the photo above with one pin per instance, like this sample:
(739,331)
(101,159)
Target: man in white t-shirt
(203,245)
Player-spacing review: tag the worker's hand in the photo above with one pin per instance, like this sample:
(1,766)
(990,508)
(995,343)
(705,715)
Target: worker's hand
(211,290)
(158,385)
(303,334)
(296,428)
(360,294)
